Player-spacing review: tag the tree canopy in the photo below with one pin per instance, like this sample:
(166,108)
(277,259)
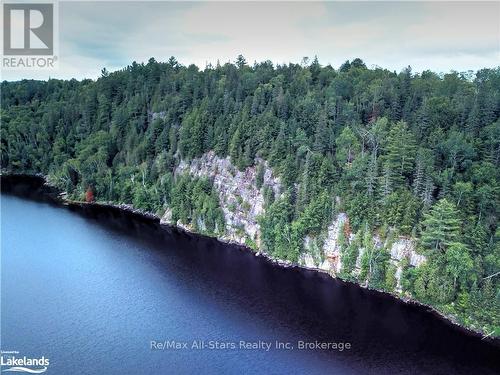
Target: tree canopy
(415,152)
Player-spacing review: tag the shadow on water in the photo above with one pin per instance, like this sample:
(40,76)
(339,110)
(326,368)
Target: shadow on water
(385,333)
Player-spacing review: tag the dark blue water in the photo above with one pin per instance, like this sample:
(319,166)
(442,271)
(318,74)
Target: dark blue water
(90,289)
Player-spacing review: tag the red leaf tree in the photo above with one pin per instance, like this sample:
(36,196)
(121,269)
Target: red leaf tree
(89,195)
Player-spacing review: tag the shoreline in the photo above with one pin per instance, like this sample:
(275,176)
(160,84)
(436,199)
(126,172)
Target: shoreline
(59,198)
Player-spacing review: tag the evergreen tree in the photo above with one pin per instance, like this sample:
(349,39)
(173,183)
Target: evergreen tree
(442,226)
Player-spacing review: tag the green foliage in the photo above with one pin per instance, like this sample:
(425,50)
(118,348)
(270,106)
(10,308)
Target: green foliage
(195,202)
(442,226)
(401,210)
(400,153)
(276,230)
(418,154)
(259,178)
(459,264)
(390,278)
(349,257)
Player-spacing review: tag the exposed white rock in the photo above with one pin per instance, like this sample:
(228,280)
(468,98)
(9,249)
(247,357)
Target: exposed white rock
(331,253)
(325,266)
(161,115)
(183,226)
(397,275)
(201,224)
(331,248)
(377,241)
(241,202)
(331,243)
(417,259)
(307,260)
(357,268)
(313,248)
(405,248)
(167,217)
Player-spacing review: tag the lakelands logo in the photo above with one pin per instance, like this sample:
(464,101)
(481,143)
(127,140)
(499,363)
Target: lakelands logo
(11,361)
(29,35)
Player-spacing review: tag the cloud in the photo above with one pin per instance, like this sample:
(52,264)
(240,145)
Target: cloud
(438,35)
(389,34)
(259,31)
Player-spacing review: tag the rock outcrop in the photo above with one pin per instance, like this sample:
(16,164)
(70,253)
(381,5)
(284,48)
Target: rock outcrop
(402,250)
(241,201)
(167,217)
(331,246)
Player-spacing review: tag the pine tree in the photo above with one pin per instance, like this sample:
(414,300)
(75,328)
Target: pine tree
(423,166)
(400,153)
(322,135)
(442,226)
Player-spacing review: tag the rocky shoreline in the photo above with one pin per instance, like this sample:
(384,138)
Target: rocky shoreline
(54,195)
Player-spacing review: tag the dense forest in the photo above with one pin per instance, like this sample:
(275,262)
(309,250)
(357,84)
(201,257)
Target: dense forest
(402,154)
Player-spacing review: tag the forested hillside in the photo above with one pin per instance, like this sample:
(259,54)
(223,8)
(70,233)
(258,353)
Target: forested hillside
(413,155)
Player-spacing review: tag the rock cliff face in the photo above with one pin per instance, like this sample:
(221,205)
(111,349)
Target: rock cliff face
(331,246)
(240,199)
(402,250)
(243,203)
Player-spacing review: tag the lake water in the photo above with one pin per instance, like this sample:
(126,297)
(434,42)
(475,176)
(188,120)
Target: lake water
(91,288)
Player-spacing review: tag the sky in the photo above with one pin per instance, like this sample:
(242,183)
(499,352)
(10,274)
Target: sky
(440,36)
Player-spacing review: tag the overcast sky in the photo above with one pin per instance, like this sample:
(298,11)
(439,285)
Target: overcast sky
(440,36)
